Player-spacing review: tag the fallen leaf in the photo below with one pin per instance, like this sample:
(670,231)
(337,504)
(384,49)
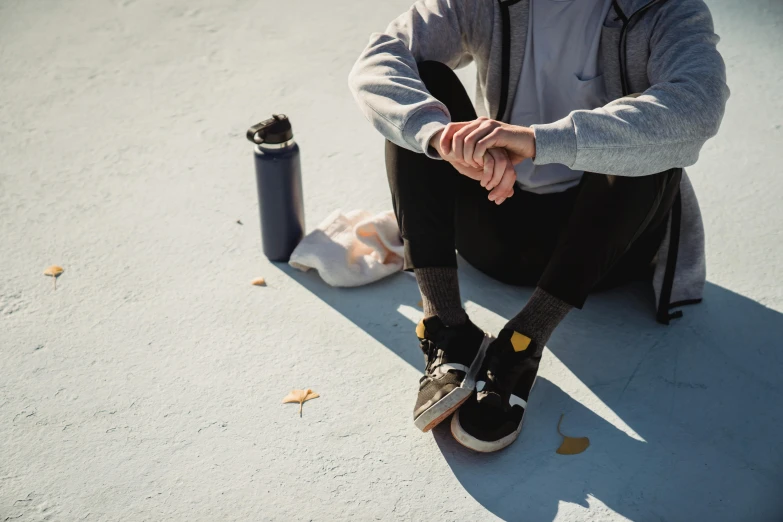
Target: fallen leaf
(300,396)
(259,281)
(54,271)
(571,445)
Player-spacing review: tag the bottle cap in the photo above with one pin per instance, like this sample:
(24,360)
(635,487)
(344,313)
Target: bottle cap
(276,129)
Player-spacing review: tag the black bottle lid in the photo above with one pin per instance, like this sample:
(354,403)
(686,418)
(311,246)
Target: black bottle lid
(276,129)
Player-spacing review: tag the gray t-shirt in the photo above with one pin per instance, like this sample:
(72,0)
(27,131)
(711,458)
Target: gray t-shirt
(560,74)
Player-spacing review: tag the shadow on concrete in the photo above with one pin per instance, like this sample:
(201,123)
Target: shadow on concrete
(690,422)
(373,308)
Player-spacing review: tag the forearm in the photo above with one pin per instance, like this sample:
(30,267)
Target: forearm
(385,80)
(386,86)
(666,125)
(633,136)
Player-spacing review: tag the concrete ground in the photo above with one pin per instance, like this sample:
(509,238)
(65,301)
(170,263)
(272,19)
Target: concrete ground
(148,385)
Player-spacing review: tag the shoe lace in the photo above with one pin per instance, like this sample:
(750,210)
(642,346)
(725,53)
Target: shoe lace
(429,349)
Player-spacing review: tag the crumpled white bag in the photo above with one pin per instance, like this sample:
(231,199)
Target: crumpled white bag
(352,249)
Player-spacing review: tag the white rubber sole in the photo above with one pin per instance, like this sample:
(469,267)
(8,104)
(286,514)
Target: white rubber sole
(447,405)
(482,446)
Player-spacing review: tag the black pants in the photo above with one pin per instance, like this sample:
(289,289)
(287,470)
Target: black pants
(599,234)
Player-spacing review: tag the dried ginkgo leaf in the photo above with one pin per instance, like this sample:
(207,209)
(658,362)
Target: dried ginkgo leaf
(54,271)
(258,281)
(300,396)
(571,445)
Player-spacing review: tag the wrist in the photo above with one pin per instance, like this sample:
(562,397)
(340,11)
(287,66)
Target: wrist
(435,141)
(529,141)
(556,142)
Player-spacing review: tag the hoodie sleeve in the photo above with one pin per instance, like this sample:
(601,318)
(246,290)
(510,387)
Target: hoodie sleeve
(665,126)
(385,80)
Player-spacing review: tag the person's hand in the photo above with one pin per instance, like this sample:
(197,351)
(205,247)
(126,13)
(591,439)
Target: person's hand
(496,173)
(470,140)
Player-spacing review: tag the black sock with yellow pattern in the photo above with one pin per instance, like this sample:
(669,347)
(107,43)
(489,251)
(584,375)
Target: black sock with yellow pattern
(539,318)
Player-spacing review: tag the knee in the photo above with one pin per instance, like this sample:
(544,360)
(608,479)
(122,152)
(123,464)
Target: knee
(446,87)
(436,74)
(639,189)
(650,182)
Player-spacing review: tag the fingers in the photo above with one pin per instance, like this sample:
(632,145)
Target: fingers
(501,200)
(458,140)
(475,149)
(470,172)
(458,143)
(496,175)
(447,135)
(505,188)
(473,133)
(488,141)
(500,161)
(488,170)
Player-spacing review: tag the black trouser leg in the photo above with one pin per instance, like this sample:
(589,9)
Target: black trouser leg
(615,227)
(424,190)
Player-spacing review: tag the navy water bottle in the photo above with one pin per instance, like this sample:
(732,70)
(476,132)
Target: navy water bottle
(279,182)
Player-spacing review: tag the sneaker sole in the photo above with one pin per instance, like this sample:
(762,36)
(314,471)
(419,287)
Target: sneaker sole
(482,446)
(447,405)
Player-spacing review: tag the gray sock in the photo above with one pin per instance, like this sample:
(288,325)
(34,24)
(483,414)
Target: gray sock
(439,289)
(539,318)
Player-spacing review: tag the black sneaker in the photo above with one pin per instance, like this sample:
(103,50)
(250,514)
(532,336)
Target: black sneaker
(453,356)
(492,418)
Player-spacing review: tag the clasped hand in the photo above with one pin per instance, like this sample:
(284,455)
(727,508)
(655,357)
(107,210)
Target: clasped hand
(486,150)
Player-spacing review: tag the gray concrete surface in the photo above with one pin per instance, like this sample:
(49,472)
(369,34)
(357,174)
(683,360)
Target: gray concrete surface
(148,386)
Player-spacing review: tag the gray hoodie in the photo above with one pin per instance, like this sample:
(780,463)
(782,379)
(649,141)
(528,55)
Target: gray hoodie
(670,100)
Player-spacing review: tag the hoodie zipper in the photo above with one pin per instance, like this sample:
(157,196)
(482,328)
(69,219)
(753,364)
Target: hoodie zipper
(627,24)
(662,314)
(505,58)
